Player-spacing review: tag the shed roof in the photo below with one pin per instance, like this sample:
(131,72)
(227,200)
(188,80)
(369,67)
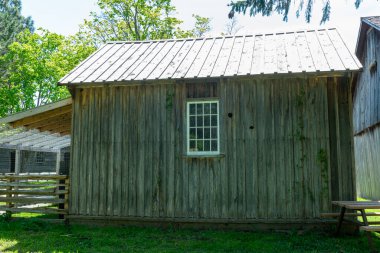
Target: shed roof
(54,117)
(374,21)
(291,52)
(45,128)
(366,23)
(32,140)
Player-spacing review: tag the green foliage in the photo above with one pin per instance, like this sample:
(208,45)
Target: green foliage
(131,20)
(322,160)
(202,26)
(169,99)
(5,217)
(12,22)
(282,7)
(138,20)
(34,64)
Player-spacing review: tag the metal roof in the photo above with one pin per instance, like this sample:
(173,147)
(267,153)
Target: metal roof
(365,25)
(33,140)
(290,52)
(45,128)
(373,21)
(54,117)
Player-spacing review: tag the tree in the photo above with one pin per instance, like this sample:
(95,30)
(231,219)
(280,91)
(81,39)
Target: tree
(201,27)
(138,20)
(232,27)
(34,64)
(131,20)
(267,7)
(12,22)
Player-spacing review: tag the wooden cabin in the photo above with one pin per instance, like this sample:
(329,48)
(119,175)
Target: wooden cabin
(366,112)
(238,130)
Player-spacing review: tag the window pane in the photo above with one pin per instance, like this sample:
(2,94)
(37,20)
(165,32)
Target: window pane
(207,109)
(192,121)
(203,127)
(207,120)
(192,133)
(214,133)
(214,120)
(214,109)
(199,121)
(192,145)
(207,146)
(199,108)
(214,145)
(207,133)
(200,145)
(192,109)
(200,133)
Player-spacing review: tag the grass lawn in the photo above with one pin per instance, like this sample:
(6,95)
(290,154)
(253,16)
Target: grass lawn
(32,235)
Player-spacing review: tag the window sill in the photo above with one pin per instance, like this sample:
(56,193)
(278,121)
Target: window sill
(186,156)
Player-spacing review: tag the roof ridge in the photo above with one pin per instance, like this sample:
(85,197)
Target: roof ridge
(221,36)
(370,17)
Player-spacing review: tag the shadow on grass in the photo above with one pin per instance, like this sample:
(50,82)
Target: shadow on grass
(36,235)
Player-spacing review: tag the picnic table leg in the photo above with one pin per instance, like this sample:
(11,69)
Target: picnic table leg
(340,221)
(364,216)
(365,221)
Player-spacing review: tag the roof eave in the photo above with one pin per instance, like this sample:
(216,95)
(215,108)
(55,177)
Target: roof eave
(336,73)
(35,111)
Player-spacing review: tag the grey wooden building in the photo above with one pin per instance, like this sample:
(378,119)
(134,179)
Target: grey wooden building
(366,112)
(230,130)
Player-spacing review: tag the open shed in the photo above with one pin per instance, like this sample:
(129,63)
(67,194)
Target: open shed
(36,140)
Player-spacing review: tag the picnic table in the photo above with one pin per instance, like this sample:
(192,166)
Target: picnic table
(360,206)
(354,206)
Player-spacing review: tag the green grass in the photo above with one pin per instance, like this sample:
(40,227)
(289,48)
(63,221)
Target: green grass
(32,235)
(370,218)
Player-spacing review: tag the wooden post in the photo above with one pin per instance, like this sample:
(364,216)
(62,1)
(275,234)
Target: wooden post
(17,169)
(63,196)
(58,163)
(66,205)
(17,161)
(9,195)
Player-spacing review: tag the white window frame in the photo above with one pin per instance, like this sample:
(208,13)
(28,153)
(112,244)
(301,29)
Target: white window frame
(201,153)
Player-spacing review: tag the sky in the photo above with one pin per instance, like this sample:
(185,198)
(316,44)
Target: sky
(64,16)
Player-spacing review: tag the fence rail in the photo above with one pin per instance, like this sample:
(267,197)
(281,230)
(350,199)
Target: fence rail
(46,194)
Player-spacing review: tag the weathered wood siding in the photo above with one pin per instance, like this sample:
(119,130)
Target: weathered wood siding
(286,151)
(367,157)
(366,118)
(366,110)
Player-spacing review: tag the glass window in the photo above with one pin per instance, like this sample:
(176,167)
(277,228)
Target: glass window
(203,127)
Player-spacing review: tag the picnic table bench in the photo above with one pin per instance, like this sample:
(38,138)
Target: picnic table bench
(360,206)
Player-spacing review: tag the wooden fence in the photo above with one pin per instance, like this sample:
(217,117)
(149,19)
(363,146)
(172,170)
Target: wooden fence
(47,194)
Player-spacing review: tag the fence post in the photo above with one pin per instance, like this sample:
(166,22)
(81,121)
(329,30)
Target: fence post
(66,205)
(17,167)
(65,197)
(9,195)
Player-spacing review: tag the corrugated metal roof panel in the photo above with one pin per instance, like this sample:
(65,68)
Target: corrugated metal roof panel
(291,52)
